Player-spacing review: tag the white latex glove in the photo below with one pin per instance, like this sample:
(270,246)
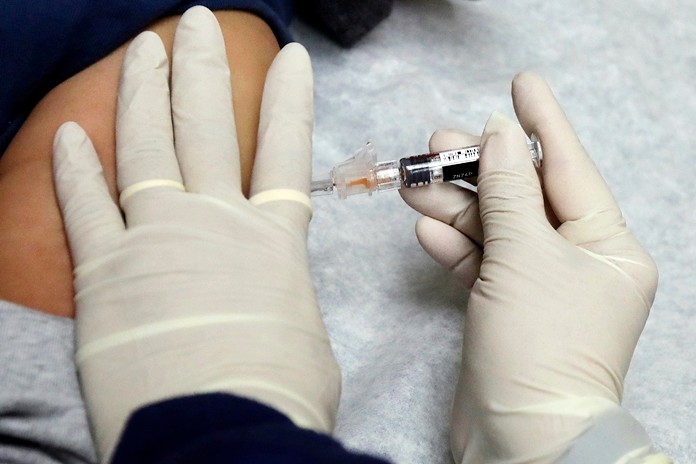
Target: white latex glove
(198,289)
(555,313)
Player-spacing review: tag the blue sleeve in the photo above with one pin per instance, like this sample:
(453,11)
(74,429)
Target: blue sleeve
(44,42)
(219,428)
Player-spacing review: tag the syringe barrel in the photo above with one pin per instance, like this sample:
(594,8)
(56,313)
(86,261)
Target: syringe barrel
(457,164)
(433,168)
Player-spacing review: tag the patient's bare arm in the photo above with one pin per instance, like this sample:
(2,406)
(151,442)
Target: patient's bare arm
(35,267)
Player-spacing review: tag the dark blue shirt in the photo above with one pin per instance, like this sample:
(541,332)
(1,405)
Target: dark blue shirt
(45,42)
(218,428)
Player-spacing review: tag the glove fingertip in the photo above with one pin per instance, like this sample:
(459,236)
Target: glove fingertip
(70,138)
(144,53)
(528,82)
(292,66)
(67,134)
(295,53)
(199,14)
(199,33)
(504,147)
(447,139)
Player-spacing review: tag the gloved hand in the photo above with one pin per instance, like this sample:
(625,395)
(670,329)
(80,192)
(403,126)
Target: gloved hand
(196,289)
(450,230)
(562,295)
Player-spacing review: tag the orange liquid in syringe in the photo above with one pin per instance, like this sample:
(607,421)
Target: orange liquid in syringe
(362,181)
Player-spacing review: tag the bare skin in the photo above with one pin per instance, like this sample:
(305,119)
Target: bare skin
(35,266)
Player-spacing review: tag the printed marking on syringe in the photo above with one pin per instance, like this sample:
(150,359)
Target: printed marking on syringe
(461,155)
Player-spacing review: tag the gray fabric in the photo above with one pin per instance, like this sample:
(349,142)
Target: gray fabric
(42,416)
(625,73)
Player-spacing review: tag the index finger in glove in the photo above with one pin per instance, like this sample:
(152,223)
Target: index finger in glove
(450,231)
(144,139)
(91,217)
(446,202)
(578,194)
(282,168)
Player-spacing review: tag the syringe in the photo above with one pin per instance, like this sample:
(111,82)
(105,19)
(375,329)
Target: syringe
(362,173)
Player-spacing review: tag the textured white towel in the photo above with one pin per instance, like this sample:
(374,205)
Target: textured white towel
(625,72)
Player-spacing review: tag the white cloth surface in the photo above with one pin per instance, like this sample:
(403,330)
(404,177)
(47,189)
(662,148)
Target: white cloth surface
(625,73)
